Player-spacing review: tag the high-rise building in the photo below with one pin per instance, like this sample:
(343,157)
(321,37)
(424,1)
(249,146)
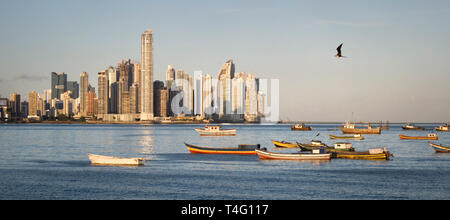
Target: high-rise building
(84,89)
(238,94)
(147,75)
(58,84)
(74,87)
(14,98)
(251,98)
(103,87)
(170,76)
(198,91)
(133,93)
(33,104)
(226,74)
(161,98)
(137,84)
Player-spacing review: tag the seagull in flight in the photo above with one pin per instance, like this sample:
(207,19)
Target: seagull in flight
(339,53)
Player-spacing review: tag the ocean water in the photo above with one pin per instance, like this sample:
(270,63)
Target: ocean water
(39,161)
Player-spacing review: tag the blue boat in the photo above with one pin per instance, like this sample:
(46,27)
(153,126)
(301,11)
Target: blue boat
(439,148)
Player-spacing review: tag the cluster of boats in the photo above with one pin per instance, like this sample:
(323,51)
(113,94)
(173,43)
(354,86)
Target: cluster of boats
(315,150)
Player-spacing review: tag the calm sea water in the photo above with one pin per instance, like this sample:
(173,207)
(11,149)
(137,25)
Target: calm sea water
(50,162)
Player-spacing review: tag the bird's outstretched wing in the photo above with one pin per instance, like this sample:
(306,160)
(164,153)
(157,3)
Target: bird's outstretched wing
(339,49)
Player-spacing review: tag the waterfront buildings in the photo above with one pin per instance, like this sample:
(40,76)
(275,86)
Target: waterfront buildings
(147,76)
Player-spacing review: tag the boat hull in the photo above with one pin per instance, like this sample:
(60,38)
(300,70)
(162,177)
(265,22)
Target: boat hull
(225,132)
(228,150)
(413,128)
(439,148)
(360,130)
(362,156)
(442,129)
(284,144)
(417,137)
(294,156)
(107,160)
(346,137)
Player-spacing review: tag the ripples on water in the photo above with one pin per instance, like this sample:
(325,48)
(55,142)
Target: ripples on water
(50,162)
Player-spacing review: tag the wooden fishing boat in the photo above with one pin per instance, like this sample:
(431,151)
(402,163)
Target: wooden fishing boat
(410,126)
(300,127)
(107,160)
(439,148)
(340,146)
(244,149)
(351,137)
(284,144)
(431,136)
(264,154)
(372,154)
(211,130)
(444,127)
(349,128)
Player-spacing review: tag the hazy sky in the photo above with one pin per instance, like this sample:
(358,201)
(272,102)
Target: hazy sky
(398,65)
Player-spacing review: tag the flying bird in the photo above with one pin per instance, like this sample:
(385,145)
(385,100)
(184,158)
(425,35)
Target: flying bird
(339,53)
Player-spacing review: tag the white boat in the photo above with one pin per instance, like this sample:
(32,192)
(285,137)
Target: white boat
(317,154)
(210,130)
(107,160)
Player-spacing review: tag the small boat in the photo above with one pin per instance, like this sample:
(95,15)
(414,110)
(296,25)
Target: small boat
(439,148)
(431,136)
(319,155)
(300,127)
(340,146)
(351,137)
(107,160)
(372,154)
(349,128)
(444,127)
(244,149)
(410,126)
(284,144)
(211,130)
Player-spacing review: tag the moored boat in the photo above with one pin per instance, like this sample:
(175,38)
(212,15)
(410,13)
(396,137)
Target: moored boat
(340,146)
(108,160)
(211,130)
(320,155)
(372,154)
(284,144)
(444,127)
(300,127)
(349,128)
(243,149)
(351,137)
(439,148)
(410,126)
(431,136)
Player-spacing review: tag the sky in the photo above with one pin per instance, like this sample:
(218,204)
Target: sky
(397,66)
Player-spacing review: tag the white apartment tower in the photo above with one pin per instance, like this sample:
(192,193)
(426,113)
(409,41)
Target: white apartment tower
(147,75)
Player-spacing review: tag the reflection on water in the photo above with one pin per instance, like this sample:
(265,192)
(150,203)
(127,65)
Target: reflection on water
(146,143)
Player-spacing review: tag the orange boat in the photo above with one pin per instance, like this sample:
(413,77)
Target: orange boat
(431,136)
(243,149)
(300,127)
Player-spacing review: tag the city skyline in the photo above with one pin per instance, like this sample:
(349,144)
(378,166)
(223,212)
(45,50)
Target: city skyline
(396,69)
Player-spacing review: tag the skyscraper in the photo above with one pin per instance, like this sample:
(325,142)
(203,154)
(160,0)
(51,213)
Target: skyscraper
(170,76)
(33,104)
(74,87)
(59,84)
(226,74)
(147,75)
(103,86)
(84,88)
(15,104)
